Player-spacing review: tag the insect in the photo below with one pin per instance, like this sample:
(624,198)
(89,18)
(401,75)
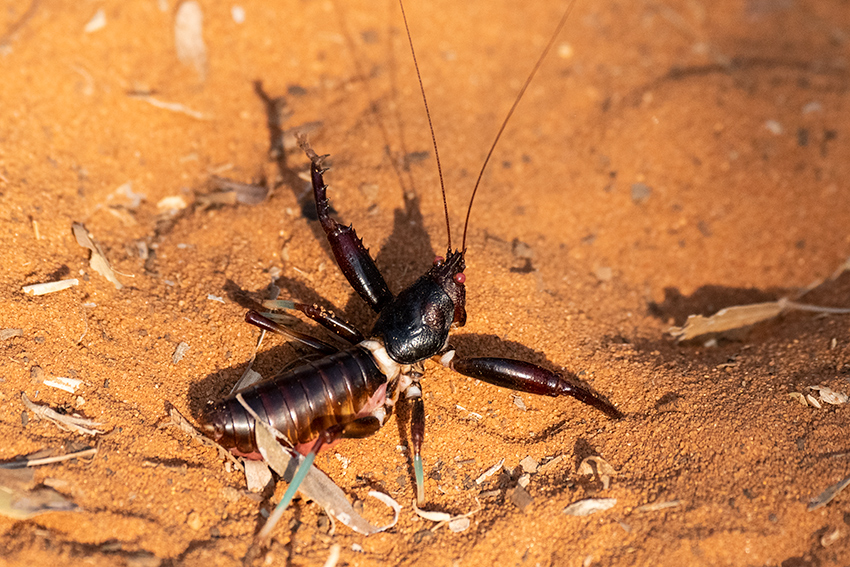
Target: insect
(351,392)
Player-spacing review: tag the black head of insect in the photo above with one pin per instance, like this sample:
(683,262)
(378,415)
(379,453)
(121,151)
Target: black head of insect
(416,324)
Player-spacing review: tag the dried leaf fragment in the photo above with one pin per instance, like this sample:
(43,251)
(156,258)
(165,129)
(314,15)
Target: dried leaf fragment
(6,334)
(739,317)
(728,319)
(97,22)
(98,261)
(70,385)
(66,422)
(830,396)
(490,472)
(179,352)
(50,287)
(589,506)
(799,397)
(257,475)
(456,523)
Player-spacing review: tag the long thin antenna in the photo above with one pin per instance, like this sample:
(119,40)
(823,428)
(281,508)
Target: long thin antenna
(511,112)
(430,125)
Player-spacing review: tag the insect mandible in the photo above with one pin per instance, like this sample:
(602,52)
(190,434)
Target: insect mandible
(351,392)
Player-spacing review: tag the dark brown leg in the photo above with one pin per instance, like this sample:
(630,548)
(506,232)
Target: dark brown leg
(258,320)
(526,377)
(352,257)
(337,325)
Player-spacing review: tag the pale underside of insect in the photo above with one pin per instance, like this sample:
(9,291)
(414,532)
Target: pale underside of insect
(351,392)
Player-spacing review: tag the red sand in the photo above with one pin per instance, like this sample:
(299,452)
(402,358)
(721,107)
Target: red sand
(734,115)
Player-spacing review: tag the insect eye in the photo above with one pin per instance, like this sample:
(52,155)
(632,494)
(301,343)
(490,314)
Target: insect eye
(438,260)
(460,278)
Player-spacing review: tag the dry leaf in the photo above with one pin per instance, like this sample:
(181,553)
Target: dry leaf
(66,422)
(589,506)
(50,287)
(830,396)
(490,472)
(98,260)
(729,319)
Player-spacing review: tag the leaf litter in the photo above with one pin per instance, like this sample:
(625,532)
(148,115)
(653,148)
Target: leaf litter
(97,261)
(71,423)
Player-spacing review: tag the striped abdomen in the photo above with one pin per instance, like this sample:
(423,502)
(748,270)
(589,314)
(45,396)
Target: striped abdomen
(300,403)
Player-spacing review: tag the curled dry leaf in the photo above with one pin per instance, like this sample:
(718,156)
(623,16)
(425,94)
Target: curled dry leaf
(98,261)
(455,523)
(66,422)
(589,506)
(799,397)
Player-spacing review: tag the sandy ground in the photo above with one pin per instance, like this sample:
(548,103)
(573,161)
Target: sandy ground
(670,159)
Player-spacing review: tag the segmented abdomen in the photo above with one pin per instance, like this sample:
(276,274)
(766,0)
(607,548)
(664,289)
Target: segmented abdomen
(300,403)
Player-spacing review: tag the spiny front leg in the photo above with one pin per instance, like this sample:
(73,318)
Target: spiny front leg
(351,256)
(526,377)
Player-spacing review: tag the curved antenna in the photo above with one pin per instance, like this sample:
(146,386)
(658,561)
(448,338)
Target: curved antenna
(430,125)
(511,112)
